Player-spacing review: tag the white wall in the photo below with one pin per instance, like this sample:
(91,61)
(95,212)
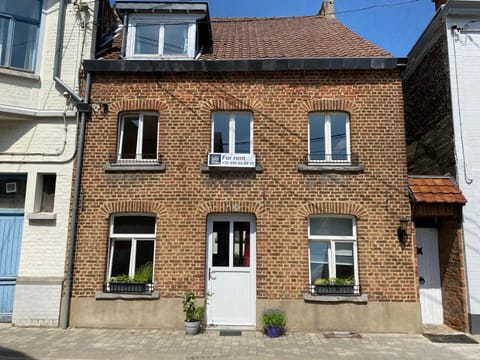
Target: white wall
(464,62)
(38,135)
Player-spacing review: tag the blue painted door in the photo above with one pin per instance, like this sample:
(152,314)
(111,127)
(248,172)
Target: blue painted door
(11,225)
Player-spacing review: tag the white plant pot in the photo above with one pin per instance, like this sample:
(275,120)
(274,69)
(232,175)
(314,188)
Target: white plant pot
(192,327)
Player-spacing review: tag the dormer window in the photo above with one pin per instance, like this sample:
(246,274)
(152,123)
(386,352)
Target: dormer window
(161,37)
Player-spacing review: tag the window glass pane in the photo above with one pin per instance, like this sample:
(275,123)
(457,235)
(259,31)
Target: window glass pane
(242,133)
(221,133)
(318,260)
(12,191)
(331,226)
(28,9)
(220,250)
(175,39)
(134,224)
(144,260)
(317,136)
(344,260)
(121,257)
(3,39)
(130,134)
(241,244)
(146,38)
(338,126)
(149,146)
(24,46)
(48,193)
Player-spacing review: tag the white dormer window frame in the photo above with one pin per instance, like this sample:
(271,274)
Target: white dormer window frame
(159,26)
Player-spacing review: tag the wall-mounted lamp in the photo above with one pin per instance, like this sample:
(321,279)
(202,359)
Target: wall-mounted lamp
(402,231)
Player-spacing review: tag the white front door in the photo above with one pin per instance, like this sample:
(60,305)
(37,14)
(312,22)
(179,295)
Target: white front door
(429,276)
(231,265)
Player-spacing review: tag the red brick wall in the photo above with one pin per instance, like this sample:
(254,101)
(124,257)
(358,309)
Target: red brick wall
(281,197)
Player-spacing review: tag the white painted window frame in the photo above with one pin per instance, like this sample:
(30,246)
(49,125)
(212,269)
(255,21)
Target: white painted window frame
(231,130)
(133,238)
(134,20)
(328,138)
(139,147)
(332,240)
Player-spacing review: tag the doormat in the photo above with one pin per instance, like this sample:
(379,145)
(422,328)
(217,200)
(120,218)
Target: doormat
(230,333)
(341,335)
(453,338)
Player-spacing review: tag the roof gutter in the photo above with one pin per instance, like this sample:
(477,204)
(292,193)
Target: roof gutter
(245,65)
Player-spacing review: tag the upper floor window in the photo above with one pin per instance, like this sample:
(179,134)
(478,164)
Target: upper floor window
(138,138)
(154,36)
(232,140)
(329,137)
(19,27)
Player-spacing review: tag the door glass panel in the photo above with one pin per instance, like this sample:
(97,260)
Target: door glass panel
(121,258)
(241,244)
(220,243)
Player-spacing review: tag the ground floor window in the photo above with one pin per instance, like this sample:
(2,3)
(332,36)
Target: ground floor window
(333,254)
(131,253)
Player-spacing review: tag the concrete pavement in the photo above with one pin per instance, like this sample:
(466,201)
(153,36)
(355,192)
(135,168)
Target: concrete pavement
(106,344)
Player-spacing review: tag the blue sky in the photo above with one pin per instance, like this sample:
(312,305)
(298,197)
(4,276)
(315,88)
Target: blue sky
(394,25)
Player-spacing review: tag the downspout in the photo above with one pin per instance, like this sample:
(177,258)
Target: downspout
(76,193)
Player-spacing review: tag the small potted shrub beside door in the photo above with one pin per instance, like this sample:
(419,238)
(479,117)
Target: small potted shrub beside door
(274,322)
(193,314)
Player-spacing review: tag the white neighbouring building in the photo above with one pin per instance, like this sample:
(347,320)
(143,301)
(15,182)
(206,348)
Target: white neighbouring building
(42,44)
(442,83)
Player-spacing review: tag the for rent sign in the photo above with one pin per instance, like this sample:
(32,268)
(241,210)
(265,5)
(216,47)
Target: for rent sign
(232,160)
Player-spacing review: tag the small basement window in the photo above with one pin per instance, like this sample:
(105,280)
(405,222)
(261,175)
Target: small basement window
(45,193)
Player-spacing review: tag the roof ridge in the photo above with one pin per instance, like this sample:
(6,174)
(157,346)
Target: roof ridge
(233,19)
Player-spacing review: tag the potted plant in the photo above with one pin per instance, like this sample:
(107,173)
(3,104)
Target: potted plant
(334,286)
(136,284)
(193,314)
(274,322)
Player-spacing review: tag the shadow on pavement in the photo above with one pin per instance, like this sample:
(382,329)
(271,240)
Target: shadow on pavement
(9,354)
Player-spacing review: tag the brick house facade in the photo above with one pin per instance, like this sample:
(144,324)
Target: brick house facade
(281,193)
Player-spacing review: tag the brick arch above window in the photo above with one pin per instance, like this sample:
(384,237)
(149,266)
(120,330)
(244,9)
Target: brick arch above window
(230,207)
(117,107)
(116,207)
(231,104)
(329,105)
(340,208)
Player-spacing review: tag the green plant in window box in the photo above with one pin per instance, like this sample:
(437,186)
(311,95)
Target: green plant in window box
(334,286)
(136,284)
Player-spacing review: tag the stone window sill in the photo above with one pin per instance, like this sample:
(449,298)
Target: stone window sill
(19,73)
(42,216)
(336,298)
(100,295)
(204,168)
(320,168)
(119,167)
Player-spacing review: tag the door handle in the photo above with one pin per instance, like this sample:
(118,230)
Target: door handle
(210,272)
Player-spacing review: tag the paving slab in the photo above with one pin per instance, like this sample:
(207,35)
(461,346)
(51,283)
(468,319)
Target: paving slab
(105,344)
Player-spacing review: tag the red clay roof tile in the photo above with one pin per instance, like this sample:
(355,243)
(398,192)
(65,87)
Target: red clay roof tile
(435,190)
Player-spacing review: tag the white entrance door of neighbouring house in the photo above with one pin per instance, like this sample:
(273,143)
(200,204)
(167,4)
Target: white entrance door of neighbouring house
(429,276)
(231,265)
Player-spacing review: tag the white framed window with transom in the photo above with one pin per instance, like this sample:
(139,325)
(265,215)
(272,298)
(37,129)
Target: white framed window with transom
(156,37)
(131,245)
(332,248)
(232,139)
(138,137)
(329,138)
